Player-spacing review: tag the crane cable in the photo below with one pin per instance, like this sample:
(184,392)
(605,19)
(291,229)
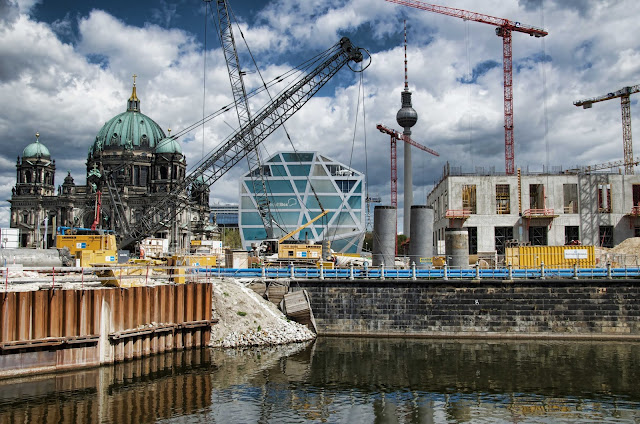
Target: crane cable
(288,74)
(284,127)
(307,64)
(204,74)
(544,103)
(469,82)
(361,94)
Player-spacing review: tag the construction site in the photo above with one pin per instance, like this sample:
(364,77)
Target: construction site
(126,265)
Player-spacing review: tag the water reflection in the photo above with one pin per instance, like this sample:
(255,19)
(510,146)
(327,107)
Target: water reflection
(347,380)
(422,381)
(146,390)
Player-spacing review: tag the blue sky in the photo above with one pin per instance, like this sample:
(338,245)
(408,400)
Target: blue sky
(66,69)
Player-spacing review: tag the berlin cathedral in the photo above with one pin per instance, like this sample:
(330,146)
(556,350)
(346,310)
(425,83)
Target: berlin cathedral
(147,165)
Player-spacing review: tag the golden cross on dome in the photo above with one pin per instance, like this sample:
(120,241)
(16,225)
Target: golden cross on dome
(169,131)
(134,79)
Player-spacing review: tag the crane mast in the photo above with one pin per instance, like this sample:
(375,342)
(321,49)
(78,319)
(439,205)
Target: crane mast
(504,29)
(244,115)
(395,136)
(625,103)
(236,147)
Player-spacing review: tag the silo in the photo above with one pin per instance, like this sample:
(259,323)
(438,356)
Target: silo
(384,236)
(456,244)
(421,235)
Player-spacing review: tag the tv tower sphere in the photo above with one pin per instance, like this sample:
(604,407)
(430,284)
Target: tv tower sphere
(407,116)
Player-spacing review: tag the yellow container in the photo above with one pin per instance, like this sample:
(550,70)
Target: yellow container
(325,264)
(204,261)
(127,275)
(79,243)
(197,261)
(526,257)
(88,258)
(299,251)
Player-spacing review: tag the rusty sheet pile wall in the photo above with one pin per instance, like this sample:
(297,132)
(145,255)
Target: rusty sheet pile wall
(49,330)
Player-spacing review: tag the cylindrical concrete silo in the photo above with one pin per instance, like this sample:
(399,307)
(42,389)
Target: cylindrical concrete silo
(384,236)
(421,234)
(456,244)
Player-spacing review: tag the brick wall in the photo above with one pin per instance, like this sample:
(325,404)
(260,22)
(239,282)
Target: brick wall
(528,308)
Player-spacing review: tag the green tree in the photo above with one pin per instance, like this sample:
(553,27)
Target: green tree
(231,238)
(367,245)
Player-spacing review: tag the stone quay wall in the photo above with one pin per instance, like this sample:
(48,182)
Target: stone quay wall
(562,309)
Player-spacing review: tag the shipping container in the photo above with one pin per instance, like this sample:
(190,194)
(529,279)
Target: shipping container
(527,257)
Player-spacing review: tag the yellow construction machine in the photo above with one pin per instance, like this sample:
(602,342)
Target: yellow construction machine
(285,250)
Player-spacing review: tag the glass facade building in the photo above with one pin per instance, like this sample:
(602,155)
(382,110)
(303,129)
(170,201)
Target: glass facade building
(291,179)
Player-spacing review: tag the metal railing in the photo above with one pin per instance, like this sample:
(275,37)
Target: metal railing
(149,275)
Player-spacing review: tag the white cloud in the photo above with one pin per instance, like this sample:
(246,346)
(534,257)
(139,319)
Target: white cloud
(68,91)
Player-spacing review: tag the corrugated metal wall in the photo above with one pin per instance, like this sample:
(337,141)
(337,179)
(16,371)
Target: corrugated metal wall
(55,329)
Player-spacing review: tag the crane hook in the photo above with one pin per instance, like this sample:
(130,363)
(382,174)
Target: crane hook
(362,69)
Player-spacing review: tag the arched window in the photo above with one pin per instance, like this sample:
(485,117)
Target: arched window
(163,172)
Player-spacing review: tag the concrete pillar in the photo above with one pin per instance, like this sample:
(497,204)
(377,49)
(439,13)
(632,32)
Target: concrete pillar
(421,235)
(456,241)
(384,235)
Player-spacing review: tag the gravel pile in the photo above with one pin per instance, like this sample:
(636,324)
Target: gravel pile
(246,319)
(292,333)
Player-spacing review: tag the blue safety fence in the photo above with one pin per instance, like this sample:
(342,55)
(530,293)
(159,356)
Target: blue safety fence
(440,274)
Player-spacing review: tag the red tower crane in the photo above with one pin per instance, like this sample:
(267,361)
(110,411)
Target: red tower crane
(504,29)
(395,136)
(625,102)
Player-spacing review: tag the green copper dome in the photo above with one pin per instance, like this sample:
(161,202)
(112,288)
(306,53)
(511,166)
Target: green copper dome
(36,150)
(169,145)
(130,130)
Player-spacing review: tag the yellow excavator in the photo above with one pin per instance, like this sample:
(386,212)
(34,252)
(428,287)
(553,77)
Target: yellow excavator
(296,251)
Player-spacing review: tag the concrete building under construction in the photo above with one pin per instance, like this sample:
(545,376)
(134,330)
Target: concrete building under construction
(600,209)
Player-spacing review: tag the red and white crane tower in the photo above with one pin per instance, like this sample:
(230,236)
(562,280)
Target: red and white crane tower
(395,136)
(625,102)
(504,29)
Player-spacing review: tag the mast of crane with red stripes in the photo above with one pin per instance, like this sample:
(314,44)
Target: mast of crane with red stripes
(504,29)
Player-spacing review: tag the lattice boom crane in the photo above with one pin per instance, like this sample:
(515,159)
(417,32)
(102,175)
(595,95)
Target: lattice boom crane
(504,29)
(246,139)
(625,102)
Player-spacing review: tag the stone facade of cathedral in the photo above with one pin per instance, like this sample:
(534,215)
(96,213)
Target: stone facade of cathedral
(146,165)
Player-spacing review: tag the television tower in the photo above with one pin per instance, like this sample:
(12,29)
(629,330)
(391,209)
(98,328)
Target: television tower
(407,118)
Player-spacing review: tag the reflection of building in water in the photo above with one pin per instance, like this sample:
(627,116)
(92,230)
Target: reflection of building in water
(143,390)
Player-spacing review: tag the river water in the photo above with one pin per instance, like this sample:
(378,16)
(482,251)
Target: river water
(343,380)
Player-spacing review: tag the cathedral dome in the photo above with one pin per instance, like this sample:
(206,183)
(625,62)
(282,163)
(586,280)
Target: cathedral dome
(169,145)
(130,130)
(36,150)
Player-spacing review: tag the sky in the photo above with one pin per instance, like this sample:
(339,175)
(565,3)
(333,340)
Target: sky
(66,68)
